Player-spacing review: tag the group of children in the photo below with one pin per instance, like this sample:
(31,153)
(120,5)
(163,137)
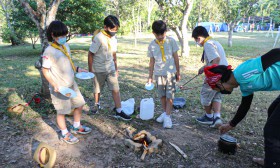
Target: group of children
(262,73)
(164,68)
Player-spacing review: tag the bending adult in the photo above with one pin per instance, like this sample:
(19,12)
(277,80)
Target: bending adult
(257,74)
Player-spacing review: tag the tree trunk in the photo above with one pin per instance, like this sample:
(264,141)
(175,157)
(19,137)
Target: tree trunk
(230,32)
(135,28)
(199,12)
(185,52)
(185,45)
(150,5)
(42,18)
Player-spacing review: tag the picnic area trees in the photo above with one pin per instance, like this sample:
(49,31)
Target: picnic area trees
(83,16)
(176,15)
(7,7)
(23,25)
(234,11)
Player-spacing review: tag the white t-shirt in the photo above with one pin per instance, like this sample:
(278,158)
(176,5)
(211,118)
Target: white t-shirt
(103,54)
(170,47)
(212,50)
(59,65)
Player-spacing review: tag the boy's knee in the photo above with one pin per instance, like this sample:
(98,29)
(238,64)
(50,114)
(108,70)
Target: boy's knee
(80,108)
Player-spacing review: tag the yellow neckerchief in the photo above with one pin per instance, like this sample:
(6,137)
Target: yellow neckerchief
(108,38)
(161,49)
(64,51)
(206,39)
(95,33)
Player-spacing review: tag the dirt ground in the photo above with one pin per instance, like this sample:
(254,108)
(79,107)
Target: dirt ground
(104,146)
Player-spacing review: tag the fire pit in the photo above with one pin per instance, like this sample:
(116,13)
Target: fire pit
(143,140)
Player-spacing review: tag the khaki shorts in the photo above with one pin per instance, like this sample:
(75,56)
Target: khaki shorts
(208,95)
(166,85)
(63,104)
(101,77)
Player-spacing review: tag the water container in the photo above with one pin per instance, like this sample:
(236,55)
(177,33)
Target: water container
(147,108)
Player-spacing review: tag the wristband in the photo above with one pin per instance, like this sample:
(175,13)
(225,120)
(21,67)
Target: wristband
(77,69)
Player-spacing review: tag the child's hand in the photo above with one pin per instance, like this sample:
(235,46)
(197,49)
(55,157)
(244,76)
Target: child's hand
(55,88)
(150,80)
(178,77)
(82,70)
(200,71)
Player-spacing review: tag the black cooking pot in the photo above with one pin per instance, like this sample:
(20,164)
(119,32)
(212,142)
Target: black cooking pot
(227,144)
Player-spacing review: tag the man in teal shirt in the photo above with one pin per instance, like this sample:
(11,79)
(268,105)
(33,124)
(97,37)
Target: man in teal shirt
(258,74)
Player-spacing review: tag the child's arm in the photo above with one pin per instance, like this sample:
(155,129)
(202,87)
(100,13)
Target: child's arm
(151,69)
(176,60)
(46,73)
(90,59)
(215,61)
(115,62)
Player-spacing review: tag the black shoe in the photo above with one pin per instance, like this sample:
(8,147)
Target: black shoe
(122,115)
(205,120)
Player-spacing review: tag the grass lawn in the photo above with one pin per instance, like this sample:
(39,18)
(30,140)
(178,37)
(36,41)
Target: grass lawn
(20,81)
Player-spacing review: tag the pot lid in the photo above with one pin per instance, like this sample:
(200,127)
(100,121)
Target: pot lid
(228,138)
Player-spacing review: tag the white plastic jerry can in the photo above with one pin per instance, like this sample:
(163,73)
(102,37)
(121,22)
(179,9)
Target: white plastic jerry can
(147,108)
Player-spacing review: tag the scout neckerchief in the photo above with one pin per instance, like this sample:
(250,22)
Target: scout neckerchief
(204,41)
(108,37)
(161,49)
(64,51)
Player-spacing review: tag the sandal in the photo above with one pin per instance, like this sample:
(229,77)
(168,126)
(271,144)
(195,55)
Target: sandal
(69,138)
(259,161)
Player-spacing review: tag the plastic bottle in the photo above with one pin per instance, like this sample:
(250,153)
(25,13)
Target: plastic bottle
(147,108)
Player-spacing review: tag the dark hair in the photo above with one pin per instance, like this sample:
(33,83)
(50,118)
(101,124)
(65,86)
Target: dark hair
(199,31)
(111,21)
(223,70)
(56,28)
(159,27)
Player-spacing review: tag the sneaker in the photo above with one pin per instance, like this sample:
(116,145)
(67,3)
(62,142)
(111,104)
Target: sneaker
(205,120)
(167,123)
(80,130)
(161,118)
(217,122)
(95,109)
(121,115)
(69,138)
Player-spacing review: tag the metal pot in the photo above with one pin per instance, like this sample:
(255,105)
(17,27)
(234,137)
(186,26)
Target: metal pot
(227,144)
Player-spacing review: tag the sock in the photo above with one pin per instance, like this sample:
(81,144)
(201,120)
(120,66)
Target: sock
(97,103)
(76,124)
(217,114)
(119,110)
(167,115)
(64,132)
(209,115)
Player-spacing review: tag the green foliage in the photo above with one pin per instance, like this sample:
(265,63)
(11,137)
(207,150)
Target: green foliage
(130,12)
(275,14)
(23,25)
(171,12)
(266,7)
(7,35)
(83,16)
(209,10)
